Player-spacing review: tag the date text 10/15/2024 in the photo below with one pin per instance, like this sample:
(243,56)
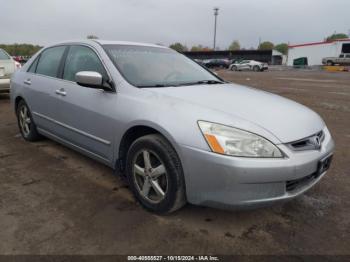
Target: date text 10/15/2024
(173,258)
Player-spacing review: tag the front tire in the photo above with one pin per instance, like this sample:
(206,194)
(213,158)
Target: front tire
(256,69)
(155,175)
(26,124)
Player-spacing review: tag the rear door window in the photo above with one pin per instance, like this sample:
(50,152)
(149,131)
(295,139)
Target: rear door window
(50,60)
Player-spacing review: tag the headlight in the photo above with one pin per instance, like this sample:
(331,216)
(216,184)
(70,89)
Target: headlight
(235,142)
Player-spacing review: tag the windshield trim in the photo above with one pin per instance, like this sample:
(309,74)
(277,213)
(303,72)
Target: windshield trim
(156,85)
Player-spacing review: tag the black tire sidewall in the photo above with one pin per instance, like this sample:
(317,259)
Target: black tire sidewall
(173,167)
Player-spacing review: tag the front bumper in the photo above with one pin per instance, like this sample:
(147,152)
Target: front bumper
(236,182)
(4,85)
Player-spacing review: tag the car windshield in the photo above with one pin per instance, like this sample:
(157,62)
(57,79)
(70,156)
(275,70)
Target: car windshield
(144,66)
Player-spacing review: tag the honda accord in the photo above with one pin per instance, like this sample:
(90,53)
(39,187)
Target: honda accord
(175,130)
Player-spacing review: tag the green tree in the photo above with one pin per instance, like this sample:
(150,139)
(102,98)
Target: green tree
(282,48)
(235,45)
(179,47)
(197,48)
(201,48)
(20,49)
(92,37)
(336,36)
(266,46)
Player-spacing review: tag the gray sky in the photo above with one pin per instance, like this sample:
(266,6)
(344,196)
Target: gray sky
(167,21)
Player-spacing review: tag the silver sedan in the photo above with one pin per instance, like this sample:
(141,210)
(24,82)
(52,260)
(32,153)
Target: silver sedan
(176,131)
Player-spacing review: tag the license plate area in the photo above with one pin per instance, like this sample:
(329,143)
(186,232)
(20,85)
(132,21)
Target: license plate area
(324,164)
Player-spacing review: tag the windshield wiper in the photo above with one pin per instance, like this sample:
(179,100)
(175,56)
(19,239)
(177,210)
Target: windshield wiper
(210,82)
(202,82)
(150,86)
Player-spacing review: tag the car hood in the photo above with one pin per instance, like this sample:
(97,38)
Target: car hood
(285,119)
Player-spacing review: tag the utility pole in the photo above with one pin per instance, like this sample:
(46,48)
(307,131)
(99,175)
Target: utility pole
(216,13)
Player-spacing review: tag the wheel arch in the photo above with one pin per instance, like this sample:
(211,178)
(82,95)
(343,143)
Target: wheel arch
(16,101)
(134,132)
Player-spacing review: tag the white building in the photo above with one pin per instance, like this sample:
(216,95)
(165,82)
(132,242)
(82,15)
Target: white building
(314,52)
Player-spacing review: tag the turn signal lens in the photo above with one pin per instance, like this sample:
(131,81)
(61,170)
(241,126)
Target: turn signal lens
(214,144)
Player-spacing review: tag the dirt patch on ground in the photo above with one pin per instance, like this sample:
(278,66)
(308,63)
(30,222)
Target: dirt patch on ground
(55,201)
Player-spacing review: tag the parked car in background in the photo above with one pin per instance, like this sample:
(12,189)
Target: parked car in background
(199,61)
(217,63)
(7,67)
(232,61)
(177,131)
(343,59)
(248,65)
(21,59)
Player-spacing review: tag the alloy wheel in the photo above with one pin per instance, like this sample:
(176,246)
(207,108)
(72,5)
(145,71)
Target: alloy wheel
(24,120)
(150,176)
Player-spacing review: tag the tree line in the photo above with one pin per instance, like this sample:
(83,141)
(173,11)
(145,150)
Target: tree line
(29,49)
(235,45)
(21,49)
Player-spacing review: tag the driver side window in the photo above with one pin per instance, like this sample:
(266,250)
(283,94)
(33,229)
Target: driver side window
(82,58)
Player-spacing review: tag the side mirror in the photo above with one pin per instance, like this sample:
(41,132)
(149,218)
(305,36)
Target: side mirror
(89,79)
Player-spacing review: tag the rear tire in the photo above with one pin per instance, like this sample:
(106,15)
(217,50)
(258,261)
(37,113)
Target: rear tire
(155,174)
(26,124)
(330,63)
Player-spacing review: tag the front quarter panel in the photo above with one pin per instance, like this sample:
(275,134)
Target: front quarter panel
(176,119)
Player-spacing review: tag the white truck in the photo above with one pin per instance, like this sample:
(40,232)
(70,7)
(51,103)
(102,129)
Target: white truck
(343,59)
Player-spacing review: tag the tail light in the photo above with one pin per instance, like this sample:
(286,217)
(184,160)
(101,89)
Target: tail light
(18,65)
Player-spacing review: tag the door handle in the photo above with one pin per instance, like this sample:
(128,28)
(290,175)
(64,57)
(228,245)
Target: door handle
(27,82)
(61,92)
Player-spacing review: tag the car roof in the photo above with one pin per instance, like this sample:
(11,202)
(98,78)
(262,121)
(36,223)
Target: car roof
(106,42)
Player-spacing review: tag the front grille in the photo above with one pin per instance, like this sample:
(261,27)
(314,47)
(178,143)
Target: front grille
(295,184)
(313,142)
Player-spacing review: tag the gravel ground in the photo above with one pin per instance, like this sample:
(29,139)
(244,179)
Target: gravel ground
(56,201)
